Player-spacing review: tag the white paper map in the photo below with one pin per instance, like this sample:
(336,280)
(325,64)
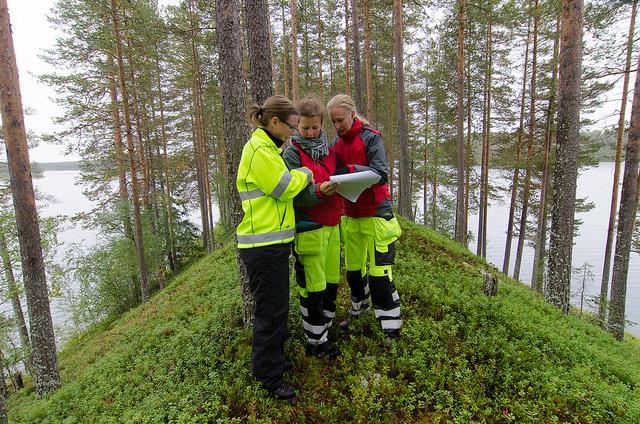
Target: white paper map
(352,185)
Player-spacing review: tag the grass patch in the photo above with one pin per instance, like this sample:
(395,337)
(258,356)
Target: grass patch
(184,356)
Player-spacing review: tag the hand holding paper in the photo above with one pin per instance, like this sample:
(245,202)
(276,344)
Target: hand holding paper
(351,186)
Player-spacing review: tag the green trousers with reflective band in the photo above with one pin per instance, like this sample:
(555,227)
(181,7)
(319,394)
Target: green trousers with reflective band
(317,267)
(369,253)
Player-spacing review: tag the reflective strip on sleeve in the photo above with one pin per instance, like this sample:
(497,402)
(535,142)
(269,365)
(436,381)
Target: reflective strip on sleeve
(248,195)
(391,324)
(392,313)
(306,171)
(266,237)
(282,185)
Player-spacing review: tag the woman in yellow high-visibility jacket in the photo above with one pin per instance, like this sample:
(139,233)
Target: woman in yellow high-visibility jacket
(267,189)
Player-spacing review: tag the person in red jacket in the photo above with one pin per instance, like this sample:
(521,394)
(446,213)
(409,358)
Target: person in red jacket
(369,227)
(317,240)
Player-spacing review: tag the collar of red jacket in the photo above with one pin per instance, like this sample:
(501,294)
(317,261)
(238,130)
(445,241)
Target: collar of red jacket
(354,131)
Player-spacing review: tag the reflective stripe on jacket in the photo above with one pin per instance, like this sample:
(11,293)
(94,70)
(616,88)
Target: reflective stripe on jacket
(267,190)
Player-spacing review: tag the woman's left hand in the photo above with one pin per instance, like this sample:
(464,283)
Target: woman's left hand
(328,188)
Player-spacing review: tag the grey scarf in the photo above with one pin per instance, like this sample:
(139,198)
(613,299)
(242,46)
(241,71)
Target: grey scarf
(317,148)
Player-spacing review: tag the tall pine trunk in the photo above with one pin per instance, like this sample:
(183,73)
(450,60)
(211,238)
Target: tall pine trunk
(139,239)
(557,289)
(165,183)
(537,274)
(426,152)
(295,84)
(626,219)
(235,127)
(460,209)
(604,286)
(367,61)
(468,157)
(285,59)
(526,191)
(43,344)
(14,294)
(481,248)
(357,68)
(347,50)
(404,201)
(516,170)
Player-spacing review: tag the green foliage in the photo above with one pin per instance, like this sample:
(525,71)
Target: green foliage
(105,281)
(463,357)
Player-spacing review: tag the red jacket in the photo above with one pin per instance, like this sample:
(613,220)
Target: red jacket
(312,205)
(359,149)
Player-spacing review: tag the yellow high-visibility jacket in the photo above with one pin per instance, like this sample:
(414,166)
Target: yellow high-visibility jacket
(267,189)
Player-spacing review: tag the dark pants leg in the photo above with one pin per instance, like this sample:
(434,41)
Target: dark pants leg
(268,269)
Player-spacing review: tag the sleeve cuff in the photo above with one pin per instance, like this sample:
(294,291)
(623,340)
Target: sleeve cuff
(308,172)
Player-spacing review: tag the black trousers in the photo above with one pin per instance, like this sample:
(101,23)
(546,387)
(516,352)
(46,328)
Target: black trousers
(268,269)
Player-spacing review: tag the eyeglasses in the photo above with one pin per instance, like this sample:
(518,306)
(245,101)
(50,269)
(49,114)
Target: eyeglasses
(291,127)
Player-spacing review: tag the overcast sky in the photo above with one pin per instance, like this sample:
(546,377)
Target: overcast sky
(32,34)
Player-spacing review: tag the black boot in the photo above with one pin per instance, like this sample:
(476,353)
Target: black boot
(282,391)
(325,349)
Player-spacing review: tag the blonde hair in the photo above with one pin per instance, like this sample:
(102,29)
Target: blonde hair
(310,107)
(346,102)
(278,106)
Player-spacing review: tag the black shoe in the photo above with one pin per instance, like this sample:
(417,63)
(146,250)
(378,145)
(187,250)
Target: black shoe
(283,391)
(325,349)
(391,336)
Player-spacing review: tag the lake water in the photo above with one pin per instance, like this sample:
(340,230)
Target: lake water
(594,183)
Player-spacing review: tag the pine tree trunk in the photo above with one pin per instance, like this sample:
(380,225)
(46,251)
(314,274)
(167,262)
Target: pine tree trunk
(460,210)
(118,149)
(516,170)
(626,219)
(14,294)
(258,41)
(526,191)
(295,84)
(171,254)
(367,61)
(404,201)
(557,289)
(604,286)
(319,49)
(347,49)
(144,289)
(357,68)
(285,59)
(537,275)
(485,201)
(235,127)
(42,337)
(484,167)
(468,159)
(434,183)
(426,153)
